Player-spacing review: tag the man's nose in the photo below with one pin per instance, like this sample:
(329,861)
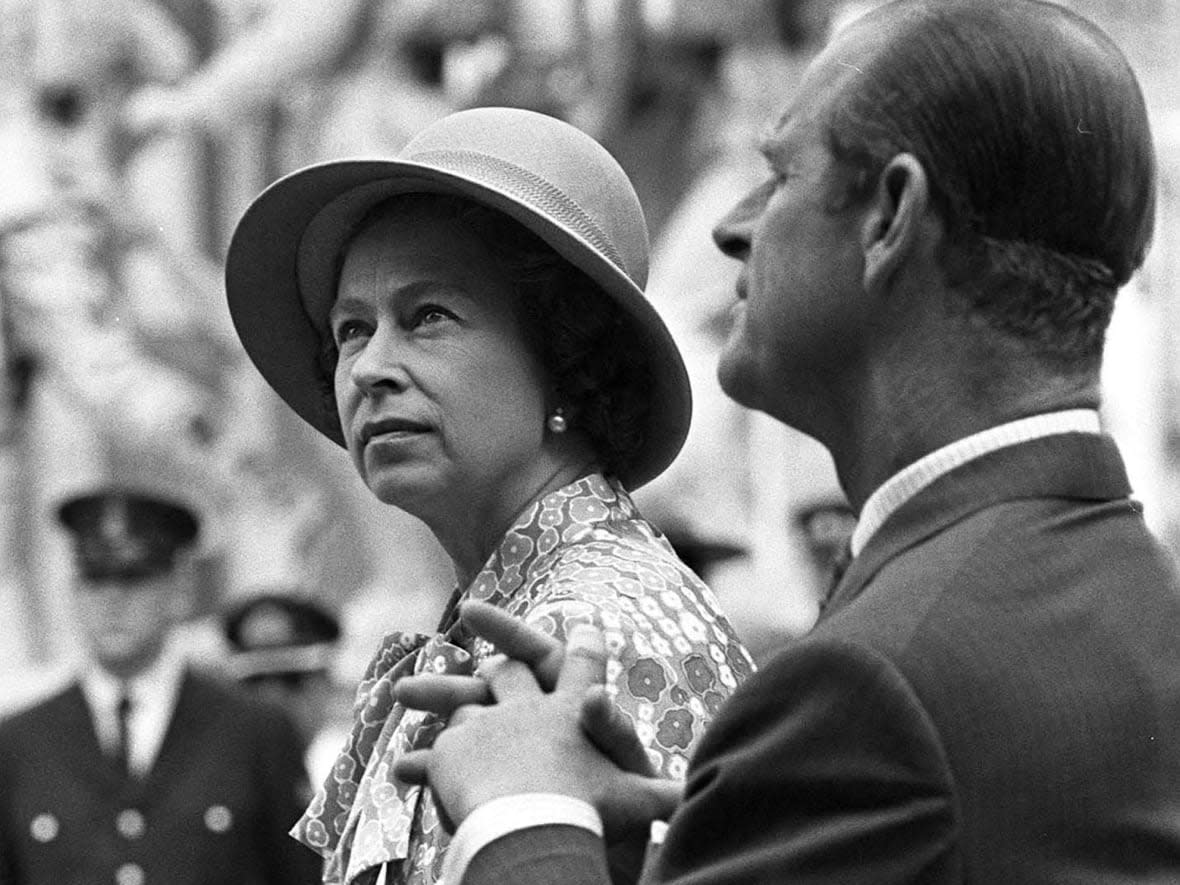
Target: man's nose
(732,234)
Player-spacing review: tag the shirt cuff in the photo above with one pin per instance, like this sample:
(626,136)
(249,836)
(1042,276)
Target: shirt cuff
(499,817)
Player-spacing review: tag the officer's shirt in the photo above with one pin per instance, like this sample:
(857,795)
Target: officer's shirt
(153,695)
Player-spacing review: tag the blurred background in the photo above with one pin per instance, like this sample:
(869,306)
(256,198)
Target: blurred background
(134,132)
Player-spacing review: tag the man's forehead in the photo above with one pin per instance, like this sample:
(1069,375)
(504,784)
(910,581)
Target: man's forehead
(826,78)
(782,136)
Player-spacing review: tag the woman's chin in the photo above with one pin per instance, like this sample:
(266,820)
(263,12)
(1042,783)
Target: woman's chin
(397,489)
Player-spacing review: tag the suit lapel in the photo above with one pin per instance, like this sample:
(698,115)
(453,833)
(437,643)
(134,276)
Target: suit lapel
(72,730)
(1079,466)
(190,719)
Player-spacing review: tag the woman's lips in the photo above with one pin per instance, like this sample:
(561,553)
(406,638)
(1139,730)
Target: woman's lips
(391,429)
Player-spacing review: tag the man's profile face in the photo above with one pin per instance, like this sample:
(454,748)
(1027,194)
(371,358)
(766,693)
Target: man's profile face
(800,311)
(124,621)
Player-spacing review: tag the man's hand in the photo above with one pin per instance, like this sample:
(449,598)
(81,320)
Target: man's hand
(512,637)
(602,721)
(528,742)
(531,741)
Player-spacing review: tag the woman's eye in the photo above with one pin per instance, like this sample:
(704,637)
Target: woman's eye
(348,330)
(430,314)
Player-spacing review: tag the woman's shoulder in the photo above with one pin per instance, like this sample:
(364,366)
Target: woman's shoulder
(631,560)
(641,595)
(672,656)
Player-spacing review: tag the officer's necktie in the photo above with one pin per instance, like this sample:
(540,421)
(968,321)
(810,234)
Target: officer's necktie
(123,748)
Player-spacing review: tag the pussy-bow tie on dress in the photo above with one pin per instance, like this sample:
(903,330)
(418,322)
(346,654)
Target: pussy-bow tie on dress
(362,816)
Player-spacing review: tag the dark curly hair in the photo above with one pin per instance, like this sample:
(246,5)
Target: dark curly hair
(593,356)
(1033,133)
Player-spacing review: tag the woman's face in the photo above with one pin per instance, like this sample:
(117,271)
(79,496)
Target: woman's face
(441,401)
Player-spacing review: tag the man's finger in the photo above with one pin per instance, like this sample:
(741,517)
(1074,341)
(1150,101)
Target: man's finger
(585,659)
(465,713)
(515,638)
(508,678)
(636,801)
(441,694)
(411,767)
(609,729)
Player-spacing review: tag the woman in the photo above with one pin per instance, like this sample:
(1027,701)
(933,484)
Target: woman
(468,321)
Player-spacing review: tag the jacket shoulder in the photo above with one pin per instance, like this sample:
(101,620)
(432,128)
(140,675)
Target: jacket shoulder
(211,691)
(33,718)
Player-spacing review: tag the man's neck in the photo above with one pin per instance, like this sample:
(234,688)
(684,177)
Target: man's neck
(906,423)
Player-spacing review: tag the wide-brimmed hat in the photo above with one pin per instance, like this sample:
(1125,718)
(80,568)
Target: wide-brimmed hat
(281,270)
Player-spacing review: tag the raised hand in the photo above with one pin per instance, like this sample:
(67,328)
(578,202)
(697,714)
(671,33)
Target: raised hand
(512,637)
(572,740)
(601,720)
(530,741)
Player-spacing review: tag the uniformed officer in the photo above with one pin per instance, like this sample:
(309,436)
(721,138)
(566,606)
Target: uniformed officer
(283,649)
(144,770)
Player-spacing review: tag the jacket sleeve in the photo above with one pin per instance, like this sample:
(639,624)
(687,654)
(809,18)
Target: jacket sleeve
(541,856)
(823,768)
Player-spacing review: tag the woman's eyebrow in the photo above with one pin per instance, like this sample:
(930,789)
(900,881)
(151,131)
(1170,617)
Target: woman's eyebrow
(417,289)
(345,305)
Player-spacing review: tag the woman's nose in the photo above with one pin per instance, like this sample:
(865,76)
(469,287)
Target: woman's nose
(379,364)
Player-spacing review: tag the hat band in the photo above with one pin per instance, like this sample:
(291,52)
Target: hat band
(528,187)
(297,659)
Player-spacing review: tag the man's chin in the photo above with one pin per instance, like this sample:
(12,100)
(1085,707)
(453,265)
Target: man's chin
(736,383)
(124,661)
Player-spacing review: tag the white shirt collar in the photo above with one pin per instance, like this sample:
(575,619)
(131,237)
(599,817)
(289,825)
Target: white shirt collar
(903,485)
(153,695)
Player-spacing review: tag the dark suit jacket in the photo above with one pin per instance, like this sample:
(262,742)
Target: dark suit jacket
(215,808)
(993,697)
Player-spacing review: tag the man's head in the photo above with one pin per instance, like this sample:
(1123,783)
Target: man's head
(283,648)
(126,595)
(1007,142)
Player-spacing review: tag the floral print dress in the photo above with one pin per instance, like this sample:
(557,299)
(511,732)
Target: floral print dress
(581,554)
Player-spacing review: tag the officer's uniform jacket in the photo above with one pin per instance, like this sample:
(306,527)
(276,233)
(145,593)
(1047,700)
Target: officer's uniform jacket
(214,808)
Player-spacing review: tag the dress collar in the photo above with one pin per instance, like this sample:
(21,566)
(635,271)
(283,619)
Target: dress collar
(567,514)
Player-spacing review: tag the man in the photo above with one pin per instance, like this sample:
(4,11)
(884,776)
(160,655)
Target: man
(993,692)
(282,650)
(142,770)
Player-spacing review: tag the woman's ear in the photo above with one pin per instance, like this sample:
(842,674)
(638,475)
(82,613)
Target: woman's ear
(894,220)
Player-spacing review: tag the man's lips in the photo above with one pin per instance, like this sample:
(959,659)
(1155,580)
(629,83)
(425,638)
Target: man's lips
(391,427)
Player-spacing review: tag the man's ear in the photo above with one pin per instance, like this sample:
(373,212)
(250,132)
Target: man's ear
(893,220)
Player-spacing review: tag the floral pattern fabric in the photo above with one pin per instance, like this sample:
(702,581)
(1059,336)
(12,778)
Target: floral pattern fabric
(582,554)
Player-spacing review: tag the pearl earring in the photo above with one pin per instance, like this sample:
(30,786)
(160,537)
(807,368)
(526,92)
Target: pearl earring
(557,422)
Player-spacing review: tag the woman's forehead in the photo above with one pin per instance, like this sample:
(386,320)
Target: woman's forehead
(417,252)
(401,232)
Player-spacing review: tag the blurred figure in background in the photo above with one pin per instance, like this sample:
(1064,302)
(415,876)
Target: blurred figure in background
(283,649)
(143,770)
